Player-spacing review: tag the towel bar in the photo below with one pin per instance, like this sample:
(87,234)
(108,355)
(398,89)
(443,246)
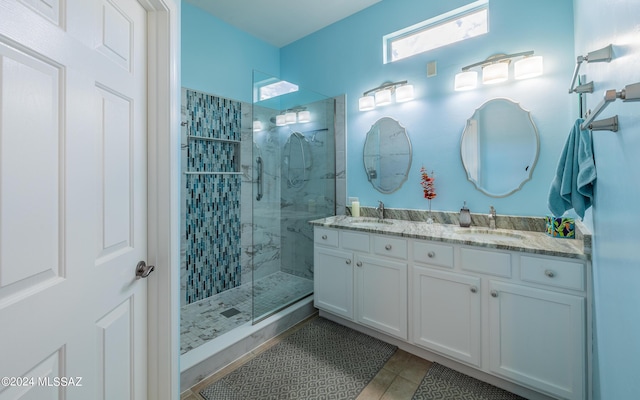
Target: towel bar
(608,124)
(602,55)
(629,93)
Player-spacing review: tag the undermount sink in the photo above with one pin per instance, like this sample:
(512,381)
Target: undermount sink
(489,234)
(368,222)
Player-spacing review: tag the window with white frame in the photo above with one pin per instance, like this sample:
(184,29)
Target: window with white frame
(456,25)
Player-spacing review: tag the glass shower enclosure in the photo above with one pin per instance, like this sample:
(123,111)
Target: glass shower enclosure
(293,182)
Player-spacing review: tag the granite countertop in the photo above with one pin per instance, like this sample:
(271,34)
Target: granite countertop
(504,239)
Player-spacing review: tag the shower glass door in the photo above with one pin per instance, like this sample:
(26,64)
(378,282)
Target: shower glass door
(293,181)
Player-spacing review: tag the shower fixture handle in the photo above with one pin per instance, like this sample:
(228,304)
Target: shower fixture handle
(143,270)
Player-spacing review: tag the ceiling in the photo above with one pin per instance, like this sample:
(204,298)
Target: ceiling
(280,22)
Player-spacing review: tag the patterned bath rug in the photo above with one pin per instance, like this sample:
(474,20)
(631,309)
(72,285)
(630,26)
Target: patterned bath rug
(443,383)
(322,360)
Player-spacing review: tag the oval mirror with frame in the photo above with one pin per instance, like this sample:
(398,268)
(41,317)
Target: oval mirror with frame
(499,147)
(387,155)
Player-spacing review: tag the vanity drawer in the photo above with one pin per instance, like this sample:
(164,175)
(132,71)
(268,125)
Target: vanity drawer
(355,241)
(325,237)
(486,262)
(433,254)
(390,247)
(552,272)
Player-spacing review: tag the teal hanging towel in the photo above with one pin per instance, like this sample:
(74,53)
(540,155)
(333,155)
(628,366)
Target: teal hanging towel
(572,186)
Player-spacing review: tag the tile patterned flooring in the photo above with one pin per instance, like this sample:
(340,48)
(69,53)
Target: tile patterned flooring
(398,379)
(204,320)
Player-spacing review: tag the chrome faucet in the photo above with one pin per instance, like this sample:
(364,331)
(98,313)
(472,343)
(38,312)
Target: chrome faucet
(492,218)
(380,210)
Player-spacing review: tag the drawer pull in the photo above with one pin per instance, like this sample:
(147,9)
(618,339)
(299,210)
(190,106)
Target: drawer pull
(324,237)
(388,247)
(431,254)
(474,289)
(494,293)
(348,262)
(359,263)
(549,273)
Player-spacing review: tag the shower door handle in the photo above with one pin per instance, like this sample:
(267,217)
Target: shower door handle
(259,182)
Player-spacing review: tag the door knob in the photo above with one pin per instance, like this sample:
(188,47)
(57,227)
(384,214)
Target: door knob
(143,270)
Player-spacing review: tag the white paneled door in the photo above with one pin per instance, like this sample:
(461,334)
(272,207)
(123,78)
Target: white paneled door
(73,199)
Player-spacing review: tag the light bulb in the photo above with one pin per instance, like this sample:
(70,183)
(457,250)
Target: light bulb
(304,116)
(495,73)
(404,93)
(290,117)
(466,80)
(366,103)
(383,97)
(528,67)
(280,120)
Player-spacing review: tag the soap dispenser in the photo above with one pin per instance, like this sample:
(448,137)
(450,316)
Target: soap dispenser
(465,216)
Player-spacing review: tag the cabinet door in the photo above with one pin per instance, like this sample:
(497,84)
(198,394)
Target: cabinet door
(537,337)
(446,312)
(381,293)
(333,281)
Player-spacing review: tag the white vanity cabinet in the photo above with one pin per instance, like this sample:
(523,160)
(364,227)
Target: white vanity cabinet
(510,316)
(538,334)
(533,308)
(446,313)
(361,277)
(333,281)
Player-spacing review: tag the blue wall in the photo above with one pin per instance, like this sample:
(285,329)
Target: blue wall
(615,211)
(219,59)
(346,57)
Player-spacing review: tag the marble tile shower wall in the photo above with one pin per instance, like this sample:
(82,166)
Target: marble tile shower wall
(212,137)
(314,199)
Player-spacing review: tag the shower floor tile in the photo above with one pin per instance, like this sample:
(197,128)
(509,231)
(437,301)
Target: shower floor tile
(204,320)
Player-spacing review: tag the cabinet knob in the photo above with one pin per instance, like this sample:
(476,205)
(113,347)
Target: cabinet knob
(348,261)
(388,247)
(431,254)
(324,237)
(494,293)
(549,273)
(474,289)
(359,263)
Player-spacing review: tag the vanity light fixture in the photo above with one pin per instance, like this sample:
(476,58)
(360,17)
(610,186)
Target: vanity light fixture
(495,69)
(257,126)
(292,116)
(382,95)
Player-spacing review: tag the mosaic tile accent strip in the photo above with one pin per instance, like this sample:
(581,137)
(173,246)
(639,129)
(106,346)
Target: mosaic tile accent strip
(212,223)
